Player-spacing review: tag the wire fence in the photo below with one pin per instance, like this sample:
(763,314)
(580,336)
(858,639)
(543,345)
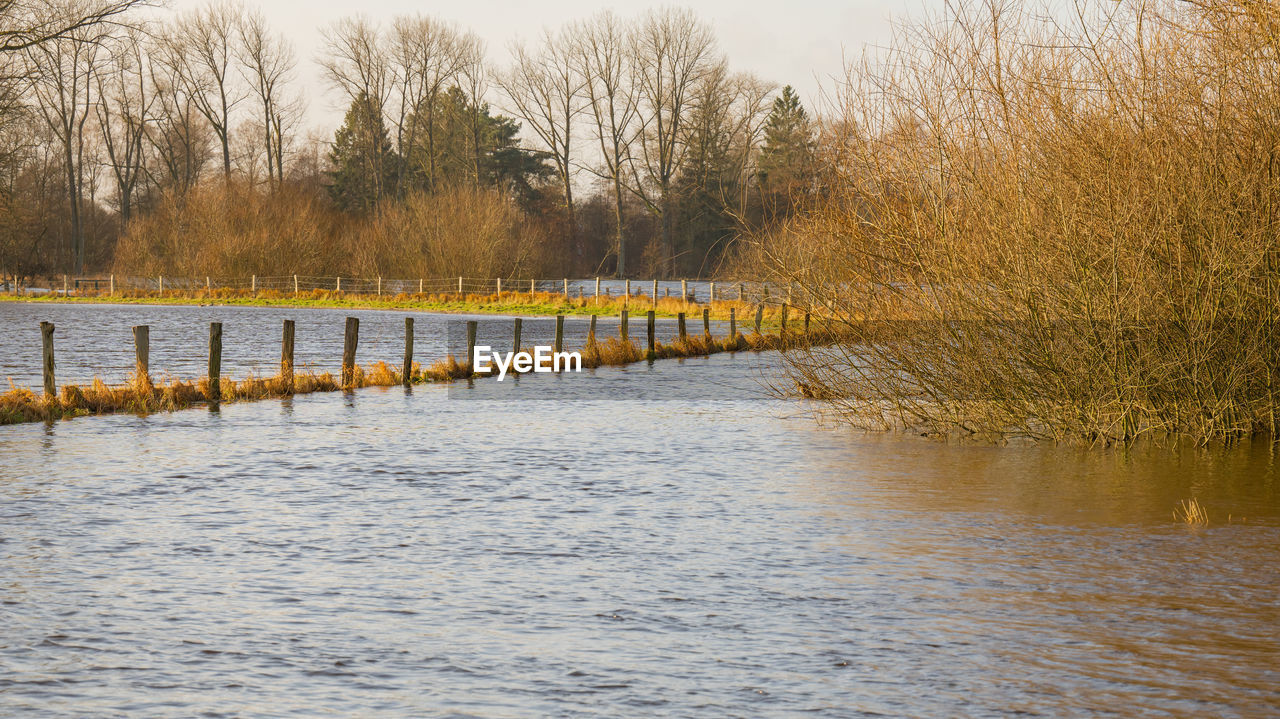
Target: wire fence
(691,290)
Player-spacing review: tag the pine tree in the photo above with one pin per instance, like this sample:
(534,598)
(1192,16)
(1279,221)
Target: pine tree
(362,158)
(786,160)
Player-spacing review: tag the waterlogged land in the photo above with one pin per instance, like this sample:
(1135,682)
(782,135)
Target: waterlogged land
(166,388)
(665,539)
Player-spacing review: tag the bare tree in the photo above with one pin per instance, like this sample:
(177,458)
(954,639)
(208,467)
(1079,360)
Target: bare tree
(604,59)
(25,24)
(178,135)
(62,72)
(201,50)
(125,101)
(673,52)
(546,89)
(426,55)
(473,77)
(268,63)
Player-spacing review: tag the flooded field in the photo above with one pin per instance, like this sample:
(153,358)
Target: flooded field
(653,540)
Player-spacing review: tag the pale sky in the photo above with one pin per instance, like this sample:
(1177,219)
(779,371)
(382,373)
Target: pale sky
(796,42)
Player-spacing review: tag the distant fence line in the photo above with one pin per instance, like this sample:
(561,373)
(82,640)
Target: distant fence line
(691,290)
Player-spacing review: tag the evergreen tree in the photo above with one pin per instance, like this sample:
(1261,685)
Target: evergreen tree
(786,160)
(362,158)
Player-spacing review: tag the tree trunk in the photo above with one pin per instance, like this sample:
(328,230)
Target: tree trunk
(617,218)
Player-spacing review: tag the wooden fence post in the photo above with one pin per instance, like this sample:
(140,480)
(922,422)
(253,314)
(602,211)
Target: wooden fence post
(684,291)
(566,289)
(733,325)
(655,293)
(622,325)
(295,285)
(420,284)
(559,333)
(337,287)
(459,285)
(591,332)
(379,286)
(64,285)
(626,296)
(651,337)
(407,379)
(680,323)
(350,340)
(113,285)
(286,355)
(533,286)
(713,292)
(160,284)
(499,289)
(742,292)
(515,341)
(472,326)
(46,337)
(142,353)
(208,284)
(253,283)
(597,288)
(215,362)
(759,315)
(706,324)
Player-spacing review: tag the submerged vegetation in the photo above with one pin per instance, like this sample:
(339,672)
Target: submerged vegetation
(1068,221)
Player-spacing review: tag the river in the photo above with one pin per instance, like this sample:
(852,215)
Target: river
(652,540)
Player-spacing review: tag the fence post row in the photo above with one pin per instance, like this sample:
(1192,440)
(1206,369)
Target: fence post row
(215,361)
(46,337)
(349,341)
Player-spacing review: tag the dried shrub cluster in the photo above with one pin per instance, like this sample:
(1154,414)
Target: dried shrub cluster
(1066,219)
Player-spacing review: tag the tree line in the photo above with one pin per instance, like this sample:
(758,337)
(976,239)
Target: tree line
(608,145)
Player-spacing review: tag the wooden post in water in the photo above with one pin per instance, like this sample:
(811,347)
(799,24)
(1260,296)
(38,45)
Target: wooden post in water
(349,342)
(651,338)
(706,324)
(286,355)
(559,333)
(733,325)
(742,292)
(591,332)
(680,323)
(407,374)
(622,325)
(215,361)
(142,353)
(515,342)
(471,344)
(46,337)
(759,315)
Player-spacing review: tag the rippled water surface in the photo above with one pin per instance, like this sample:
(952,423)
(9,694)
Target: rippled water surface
(707,551)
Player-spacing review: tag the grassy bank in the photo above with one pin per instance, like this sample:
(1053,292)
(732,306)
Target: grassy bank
(512,303)
(141,395)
